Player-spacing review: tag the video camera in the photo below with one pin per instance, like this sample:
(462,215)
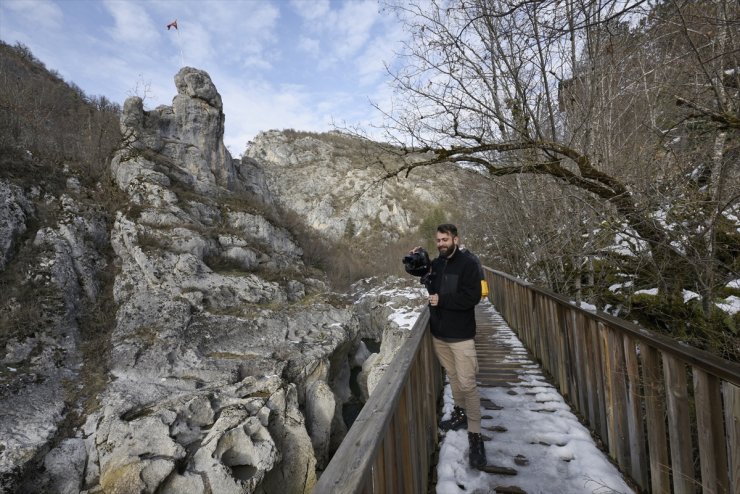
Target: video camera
(417,263)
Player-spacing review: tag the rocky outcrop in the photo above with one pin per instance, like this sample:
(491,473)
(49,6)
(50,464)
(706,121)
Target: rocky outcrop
(15,209)
(56,277)
(182,143)
(218,361)
(226,358)
(332,181)
(387,310)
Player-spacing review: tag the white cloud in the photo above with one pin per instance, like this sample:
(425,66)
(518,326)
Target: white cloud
(354,23)
(132,24)
(43,14)
(238,32)
(378,52)
(311,10)
(343,32)
(250,48)
(309,45)
(196,44)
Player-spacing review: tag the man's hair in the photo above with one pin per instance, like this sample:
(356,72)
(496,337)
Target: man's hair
(448,228)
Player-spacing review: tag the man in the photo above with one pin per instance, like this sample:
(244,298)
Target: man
(455,290)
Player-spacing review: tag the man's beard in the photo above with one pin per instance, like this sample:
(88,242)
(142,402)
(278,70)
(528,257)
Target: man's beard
(446,252)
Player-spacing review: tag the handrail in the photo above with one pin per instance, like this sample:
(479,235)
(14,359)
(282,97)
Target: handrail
(649,398)
(725,369)
(389,447)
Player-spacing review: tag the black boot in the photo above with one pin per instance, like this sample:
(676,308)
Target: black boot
(458,420)
(477,454)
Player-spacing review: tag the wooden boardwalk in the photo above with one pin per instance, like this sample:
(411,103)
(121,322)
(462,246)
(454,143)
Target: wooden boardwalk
(534,444)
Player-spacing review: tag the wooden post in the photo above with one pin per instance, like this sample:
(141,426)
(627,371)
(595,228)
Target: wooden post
(638,453)
(711,437)
(731,395)
(655,419)
(679,428)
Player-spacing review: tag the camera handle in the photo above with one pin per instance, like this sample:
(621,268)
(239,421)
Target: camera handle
(427,280)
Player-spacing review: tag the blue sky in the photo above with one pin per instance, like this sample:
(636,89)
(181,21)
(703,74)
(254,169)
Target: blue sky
(301,64)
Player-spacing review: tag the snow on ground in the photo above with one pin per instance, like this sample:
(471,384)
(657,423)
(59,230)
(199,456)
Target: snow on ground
(731,305)
(560,453)
(404,297)
(687,294)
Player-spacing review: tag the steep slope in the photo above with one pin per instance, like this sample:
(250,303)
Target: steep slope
(55,258)
(227,359)
(163,332)
(216,349)
(333,180)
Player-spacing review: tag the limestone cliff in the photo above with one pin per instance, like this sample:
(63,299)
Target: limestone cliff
(227,359)
(166,335)
(332,180)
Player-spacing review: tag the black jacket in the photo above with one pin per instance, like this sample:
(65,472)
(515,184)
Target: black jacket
(457,281)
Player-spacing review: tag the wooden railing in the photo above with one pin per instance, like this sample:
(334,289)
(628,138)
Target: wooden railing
(390,446)
(668,414)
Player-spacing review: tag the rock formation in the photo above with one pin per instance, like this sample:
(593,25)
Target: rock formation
(331,180)
(213,360)
(376,302)
(214,355)
(222,344)
(41,359)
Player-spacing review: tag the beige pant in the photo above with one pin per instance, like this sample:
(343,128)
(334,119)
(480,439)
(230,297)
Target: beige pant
(461,363)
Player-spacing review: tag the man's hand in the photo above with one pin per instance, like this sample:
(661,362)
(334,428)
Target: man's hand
(434,300)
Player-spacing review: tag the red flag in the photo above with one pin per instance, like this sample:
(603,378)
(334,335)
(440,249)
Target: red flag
(172,24)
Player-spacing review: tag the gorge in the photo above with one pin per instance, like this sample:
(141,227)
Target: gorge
(178,341)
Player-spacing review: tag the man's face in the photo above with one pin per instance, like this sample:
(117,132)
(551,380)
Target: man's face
(445,243)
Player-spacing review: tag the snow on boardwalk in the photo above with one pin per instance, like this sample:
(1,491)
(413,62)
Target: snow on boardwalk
(529,427)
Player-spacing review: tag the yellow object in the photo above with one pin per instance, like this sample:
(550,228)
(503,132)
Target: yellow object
(483,288)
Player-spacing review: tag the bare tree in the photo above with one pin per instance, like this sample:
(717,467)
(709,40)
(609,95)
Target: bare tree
(53,119)
(631,105)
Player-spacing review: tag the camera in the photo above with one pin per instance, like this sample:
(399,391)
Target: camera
(417,263)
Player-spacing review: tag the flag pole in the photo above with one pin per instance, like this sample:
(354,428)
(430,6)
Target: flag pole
(179,40)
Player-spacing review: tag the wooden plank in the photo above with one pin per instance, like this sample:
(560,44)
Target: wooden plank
(390,463)
(615,396)
(638,452)
(531,307)
(536,343)
(562,359)
(407,467)
(378,473)
(711,433)
(590,362)
(599,362)
(610,369)
(572,358)
(552,341)
(679,427)
(581,383)
(417,424)
(412,421)
(731,394)
(654,390)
